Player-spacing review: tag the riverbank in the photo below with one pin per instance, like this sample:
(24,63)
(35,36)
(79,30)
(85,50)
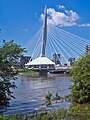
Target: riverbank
(28,73)
(75,112)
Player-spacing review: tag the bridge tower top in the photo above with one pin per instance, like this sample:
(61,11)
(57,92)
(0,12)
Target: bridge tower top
(44,38)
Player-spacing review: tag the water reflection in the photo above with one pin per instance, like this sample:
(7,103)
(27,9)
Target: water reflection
(31,90)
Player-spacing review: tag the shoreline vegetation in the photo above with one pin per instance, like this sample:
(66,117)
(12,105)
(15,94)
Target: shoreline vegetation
(75,112)
(28,73)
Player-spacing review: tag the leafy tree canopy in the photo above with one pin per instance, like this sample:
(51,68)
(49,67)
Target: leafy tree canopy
(10,53)
(80,71)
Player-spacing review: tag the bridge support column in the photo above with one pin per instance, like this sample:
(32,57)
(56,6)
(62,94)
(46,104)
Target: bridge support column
(43,72)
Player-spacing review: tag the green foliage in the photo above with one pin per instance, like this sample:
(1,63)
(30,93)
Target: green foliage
(17,117)
(48,99)
(80,112)
(76,112)
(48,96)
(29,72)
(46,117)
(78,109)
(80,71)
(54,115)
(43,117)
(62,113)
(10,53)
(57,97)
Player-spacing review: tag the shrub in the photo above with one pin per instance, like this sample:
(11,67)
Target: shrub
(80,71)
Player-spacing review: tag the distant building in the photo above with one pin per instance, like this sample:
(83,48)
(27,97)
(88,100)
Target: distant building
(24,60)
(71,61)
(56,59)
(87,48)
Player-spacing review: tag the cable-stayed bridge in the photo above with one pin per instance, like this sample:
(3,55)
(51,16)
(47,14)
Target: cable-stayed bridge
(50,40)
(58,41)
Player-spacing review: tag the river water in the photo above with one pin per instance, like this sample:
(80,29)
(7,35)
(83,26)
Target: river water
(31,90)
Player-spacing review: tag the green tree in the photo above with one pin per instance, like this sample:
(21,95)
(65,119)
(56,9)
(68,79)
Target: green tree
(10,53)
(80,71)
(48,98)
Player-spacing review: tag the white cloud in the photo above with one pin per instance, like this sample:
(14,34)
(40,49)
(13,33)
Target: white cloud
(85,25)
(61,7)
(66,18)
(63,17)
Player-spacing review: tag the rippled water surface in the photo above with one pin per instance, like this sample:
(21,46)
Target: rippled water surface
(31,90)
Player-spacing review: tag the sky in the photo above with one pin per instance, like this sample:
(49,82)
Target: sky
(21,19)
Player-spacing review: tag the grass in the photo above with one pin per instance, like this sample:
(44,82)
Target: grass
(29,72)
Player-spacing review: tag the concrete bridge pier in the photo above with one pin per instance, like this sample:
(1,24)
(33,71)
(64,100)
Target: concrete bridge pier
(42,73)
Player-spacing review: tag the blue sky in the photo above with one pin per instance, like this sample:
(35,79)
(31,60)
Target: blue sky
(21,19)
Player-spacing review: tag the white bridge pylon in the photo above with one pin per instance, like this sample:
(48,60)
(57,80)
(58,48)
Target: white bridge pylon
(42,64)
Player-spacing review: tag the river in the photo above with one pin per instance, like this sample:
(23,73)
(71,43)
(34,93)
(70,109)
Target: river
(31,90)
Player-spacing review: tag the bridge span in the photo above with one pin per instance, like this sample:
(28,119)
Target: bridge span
(67,46)
(49,69)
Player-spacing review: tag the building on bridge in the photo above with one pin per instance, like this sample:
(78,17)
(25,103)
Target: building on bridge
(71,61)
(41,64)
(56,59)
